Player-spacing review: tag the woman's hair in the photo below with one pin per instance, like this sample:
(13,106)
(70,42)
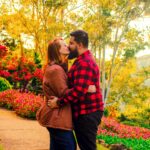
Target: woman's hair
(53,54)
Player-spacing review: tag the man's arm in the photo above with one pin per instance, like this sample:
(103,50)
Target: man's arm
(82,80)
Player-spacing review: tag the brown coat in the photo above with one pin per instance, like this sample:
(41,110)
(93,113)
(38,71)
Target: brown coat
(55,84)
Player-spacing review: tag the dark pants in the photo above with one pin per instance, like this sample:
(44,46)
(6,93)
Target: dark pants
(86,127)
(61,139)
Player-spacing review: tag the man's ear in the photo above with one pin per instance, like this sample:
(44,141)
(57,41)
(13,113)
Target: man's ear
(80,45)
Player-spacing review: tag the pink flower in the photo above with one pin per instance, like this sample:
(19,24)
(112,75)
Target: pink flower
(123,131)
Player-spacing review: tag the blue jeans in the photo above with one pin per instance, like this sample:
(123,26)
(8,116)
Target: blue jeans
(61,139)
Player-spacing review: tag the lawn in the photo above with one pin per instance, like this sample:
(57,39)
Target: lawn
(100,147)
(1,148)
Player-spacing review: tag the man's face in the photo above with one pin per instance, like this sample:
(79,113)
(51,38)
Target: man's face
(72,44)
(73,47)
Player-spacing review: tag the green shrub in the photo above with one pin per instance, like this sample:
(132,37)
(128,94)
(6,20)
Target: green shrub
(136,123)
(135,144)
(106,113)
(122,117)
(4,84)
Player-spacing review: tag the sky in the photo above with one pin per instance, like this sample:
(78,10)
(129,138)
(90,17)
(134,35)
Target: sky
(142,24)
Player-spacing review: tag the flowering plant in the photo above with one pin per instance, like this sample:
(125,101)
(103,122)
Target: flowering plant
(112,127)
(24,104)
(3,51)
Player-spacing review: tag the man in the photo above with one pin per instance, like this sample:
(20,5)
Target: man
(87,107)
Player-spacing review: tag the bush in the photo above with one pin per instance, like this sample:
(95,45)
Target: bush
(136,123)
(24,104)
(4,84)
(27,104)
(7,98)
(111,127)
(106,113)
(122,117)
(23,73)
(135,144)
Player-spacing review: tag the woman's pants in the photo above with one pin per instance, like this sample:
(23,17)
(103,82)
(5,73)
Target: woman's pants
(61,139)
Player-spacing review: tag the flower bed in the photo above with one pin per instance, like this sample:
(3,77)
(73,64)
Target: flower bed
(24,104)
(7,98)
(113,128)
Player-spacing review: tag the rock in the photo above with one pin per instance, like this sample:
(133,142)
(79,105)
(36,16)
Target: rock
(118,147)
(101,141)
(106,145)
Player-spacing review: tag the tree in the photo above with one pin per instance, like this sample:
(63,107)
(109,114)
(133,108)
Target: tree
(42,20)
(109,27)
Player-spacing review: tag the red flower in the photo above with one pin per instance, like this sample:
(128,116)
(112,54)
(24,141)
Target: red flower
(112,127)
(3,48)
(4,73)
(3,51)
(28,76)
(38,74)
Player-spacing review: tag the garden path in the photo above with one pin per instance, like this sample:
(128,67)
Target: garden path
(17,133)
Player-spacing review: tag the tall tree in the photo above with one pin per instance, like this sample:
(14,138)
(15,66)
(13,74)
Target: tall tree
(109,24)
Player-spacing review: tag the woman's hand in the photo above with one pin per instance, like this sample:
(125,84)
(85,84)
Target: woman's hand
(52,102)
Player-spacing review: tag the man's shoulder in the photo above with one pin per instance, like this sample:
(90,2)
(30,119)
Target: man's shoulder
(87,61)
(83,62)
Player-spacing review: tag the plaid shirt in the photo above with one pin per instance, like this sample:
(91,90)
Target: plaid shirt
(84,72)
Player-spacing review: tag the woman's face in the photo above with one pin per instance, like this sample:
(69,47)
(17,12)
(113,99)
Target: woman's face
(64,49)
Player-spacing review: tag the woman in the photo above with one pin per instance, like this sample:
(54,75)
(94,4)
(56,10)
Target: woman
(55,83)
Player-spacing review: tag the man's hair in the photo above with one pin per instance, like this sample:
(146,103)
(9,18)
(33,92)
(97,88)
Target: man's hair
(81,36)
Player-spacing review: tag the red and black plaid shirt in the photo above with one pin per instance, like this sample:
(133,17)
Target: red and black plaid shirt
(84,72)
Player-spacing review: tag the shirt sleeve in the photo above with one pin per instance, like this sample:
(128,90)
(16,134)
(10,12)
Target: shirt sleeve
(82,79)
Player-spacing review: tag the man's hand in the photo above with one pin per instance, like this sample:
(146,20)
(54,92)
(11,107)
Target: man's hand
(52,102)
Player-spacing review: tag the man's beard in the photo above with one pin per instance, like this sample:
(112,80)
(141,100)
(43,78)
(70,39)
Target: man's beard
(73,54)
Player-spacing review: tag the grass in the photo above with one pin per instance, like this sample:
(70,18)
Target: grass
(135,144)
(1,148)
(100,147)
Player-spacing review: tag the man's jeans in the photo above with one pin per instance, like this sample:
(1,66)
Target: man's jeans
(86,127)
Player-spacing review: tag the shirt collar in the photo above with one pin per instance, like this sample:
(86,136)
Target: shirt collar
(86,53)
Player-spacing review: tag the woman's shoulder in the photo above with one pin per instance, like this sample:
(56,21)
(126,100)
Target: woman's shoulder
(54,69)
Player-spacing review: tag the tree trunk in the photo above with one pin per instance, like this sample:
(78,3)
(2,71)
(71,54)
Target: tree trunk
(103,74)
